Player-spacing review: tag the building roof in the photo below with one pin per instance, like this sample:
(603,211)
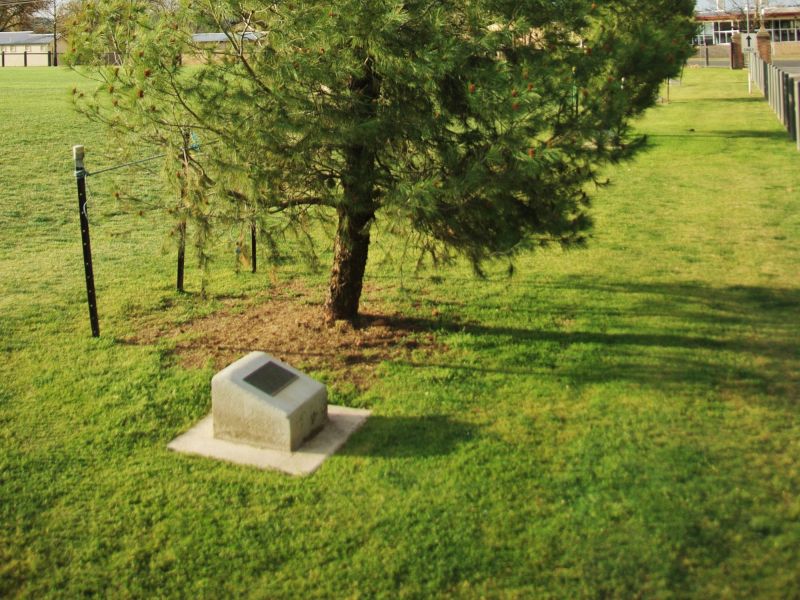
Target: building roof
(21,38)
(217,38)
(774,12)
(777,12)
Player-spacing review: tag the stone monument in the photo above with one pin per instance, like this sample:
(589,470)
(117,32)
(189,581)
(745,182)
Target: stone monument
(267,414)
(259,400)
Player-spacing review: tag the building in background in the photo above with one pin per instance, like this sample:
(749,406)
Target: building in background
(26,49)
(729,18)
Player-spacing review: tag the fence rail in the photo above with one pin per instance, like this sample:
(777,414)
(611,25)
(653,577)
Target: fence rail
(781,88)
(28,59)
(46,59)
(726,56)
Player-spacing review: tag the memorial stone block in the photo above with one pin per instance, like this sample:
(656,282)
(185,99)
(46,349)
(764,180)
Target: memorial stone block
(263,402)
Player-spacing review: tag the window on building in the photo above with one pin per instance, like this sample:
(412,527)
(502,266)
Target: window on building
(783,30)
(706,36)
(724,30)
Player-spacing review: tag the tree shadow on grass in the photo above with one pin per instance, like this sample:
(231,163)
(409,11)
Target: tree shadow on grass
(410,437)
(756,97)
(726,135)
(739,339)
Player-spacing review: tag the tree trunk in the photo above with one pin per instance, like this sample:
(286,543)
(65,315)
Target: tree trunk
(357,209)
(349,263)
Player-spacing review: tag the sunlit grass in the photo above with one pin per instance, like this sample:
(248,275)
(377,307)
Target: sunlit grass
(619,421)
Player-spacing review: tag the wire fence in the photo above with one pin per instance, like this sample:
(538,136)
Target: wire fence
(243,234)
(719,56)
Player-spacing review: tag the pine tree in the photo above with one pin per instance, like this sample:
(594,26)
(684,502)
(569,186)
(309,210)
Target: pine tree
(476,124)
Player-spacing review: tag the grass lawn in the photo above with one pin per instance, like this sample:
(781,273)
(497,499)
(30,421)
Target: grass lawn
(621,421)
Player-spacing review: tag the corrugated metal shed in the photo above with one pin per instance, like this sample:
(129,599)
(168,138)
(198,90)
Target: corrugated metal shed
(24,38)
(20,38)
(217,38)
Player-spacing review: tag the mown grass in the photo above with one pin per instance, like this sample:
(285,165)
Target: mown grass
(614,422)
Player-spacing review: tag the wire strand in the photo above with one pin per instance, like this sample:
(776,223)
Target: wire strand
(146,160)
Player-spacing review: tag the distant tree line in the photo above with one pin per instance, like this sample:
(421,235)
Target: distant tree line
(17,15)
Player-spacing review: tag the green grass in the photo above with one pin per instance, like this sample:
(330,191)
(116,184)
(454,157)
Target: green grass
(620,421)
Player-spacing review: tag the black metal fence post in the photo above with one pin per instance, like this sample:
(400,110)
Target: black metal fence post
(80,177)
(25,58)
(253,252)
(181,254)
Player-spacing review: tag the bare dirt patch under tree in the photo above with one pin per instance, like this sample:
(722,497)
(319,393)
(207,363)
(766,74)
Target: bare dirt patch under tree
(289,323)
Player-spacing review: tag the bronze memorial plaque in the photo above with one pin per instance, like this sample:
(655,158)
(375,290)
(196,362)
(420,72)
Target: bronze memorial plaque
(271,378)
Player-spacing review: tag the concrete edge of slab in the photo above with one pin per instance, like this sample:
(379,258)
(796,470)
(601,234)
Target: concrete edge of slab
(342,423)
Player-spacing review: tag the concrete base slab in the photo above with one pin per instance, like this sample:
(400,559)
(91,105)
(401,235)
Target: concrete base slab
(342,423)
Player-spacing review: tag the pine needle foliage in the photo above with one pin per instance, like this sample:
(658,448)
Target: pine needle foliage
(472,125)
